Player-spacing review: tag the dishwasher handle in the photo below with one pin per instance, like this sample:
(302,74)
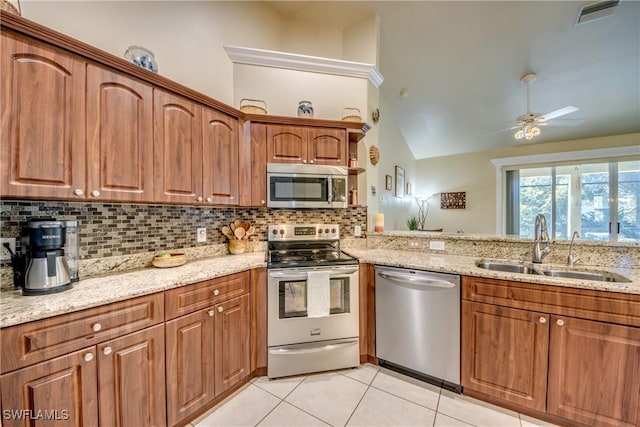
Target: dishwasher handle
(417,280)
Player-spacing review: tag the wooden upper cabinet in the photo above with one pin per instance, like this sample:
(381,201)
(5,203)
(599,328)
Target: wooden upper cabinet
(594,372)
(327,146)
(286,144)
(254,164)
(219,157)
(65,386)
(178,149)
(119,137)
(505,353)
(43,102)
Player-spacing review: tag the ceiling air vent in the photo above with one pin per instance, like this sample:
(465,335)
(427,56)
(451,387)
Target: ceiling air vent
(598,10)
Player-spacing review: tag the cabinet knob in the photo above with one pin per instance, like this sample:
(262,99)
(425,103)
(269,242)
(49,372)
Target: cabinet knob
(304,161)
(96,327)
(262,202)
(216,292)
(560,322)
(543,319)
(95,193)
(220,309)
(199,199)
(78,192)
(310,161)
(107,351)
(88,357)
(211,313)
(209,199)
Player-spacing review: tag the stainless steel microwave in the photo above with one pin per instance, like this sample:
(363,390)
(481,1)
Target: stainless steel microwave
(306,186)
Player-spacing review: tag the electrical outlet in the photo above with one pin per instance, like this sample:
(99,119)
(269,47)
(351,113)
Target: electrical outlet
(4,253)
(357,231)
(414,244)
(436,245)
(201,235)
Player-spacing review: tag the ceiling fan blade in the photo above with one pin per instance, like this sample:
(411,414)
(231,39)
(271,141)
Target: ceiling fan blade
(501,130)
(563,122)
(557,113)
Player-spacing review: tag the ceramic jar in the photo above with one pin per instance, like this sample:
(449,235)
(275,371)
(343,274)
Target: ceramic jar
(142,57)
(237,247)
(305,109)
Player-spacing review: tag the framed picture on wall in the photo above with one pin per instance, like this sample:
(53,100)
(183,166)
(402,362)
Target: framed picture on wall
(399,182)
(408,190)
(388,182)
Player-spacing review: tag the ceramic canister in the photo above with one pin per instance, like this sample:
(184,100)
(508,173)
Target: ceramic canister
(305,109)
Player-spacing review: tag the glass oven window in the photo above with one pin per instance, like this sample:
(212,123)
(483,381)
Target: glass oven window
(284,188)
(293,297)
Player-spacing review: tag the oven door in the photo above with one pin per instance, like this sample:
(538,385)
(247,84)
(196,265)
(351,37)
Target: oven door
(287,306)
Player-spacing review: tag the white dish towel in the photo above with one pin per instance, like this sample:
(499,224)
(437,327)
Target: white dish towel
(318,294)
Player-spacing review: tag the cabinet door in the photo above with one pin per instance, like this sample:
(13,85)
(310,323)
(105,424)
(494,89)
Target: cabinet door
(177,149)
(594,372)
(131,379)
(42,154)
(190,359)
(327,146)
(258,164)
(286,144)
(119,137)
(220,158)
(63,390)
(232,356)
(505,353)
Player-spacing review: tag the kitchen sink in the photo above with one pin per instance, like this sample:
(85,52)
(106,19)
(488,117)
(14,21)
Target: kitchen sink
(602,276)
(518,267)
(508,267)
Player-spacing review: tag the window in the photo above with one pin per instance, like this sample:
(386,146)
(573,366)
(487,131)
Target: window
(599,200)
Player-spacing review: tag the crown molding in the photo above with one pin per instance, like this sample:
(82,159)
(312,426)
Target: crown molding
(293,61)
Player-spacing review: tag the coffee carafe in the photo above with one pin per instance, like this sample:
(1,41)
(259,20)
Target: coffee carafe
(46,268)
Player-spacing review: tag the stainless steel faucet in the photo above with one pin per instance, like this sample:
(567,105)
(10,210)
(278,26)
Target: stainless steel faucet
(571,260)
(541,236)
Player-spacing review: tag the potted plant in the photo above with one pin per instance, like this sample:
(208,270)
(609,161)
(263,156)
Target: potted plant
(413,222)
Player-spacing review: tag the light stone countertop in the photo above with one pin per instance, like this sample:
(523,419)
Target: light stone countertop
(465,265)
(16,308)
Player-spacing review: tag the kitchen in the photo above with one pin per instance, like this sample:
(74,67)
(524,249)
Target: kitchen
(102,224)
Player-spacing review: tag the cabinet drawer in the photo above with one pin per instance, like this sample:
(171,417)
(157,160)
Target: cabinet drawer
(30,343)
(190,298)
(606,306)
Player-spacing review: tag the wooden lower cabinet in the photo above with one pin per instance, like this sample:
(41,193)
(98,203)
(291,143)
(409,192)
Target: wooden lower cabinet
(131,379)
(594,372)
(208,352)
(59,392)
(505,353)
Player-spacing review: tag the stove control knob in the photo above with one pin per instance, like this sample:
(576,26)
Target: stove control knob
(333,231)
(281,232)
(326,230)
(320,230)
(275,232)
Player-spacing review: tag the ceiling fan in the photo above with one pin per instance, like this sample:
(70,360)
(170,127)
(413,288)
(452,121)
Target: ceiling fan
(527,124)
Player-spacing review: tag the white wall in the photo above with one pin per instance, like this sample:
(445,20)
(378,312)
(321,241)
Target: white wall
(475,174)
(186,37)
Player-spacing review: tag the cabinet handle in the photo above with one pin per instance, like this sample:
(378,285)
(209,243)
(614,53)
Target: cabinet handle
(199,199)
(262,202)
(216,292)
(211,313)
(88,357)
(304,161)
(96,327)
(78,192)
(107,351)
(543,319)
(310,161)
(209,199)
(560,322)
(95,193)
(220,309)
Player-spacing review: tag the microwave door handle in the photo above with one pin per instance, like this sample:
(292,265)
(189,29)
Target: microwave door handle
(330,192)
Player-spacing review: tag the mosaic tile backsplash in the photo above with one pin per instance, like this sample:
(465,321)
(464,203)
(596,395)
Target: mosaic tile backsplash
(123,229)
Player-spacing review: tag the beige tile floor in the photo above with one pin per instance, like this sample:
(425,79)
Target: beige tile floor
(366,396)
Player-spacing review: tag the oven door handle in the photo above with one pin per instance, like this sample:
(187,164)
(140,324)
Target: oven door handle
(294,275)
(311,350)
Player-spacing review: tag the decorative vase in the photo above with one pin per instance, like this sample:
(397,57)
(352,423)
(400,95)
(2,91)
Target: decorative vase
(237,247)
(142,57)
(305,109)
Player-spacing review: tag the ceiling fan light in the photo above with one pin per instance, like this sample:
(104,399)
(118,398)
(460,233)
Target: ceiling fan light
(535,131)
(528,134)
(519,134)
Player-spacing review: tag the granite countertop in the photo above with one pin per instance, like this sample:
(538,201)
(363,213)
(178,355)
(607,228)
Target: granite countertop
(465,265)
(16,308)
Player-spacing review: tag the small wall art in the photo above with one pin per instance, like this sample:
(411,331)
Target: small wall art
(388,182)
(399,182)
(456,200)
(408,191)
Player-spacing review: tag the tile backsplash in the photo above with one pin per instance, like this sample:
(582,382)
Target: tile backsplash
(109,229)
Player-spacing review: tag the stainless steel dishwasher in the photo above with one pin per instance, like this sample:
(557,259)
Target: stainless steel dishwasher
(418,324)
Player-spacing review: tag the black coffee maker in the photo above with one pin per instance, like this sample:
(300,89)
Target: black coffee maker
(41,268)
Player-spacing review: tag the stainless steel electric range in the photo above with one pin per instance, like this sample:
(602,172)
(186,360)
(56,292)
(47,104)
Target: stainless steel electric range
(302,338)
